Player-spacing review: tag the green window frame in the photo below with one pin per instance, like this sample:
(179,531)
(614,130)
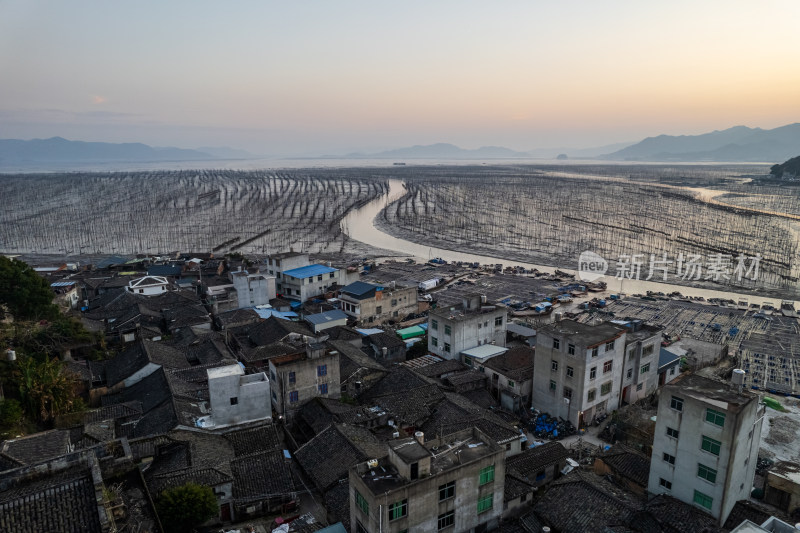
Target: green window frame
(553,385)
(486,503)
(591,395)
(362,504)
(605,388)
(703,500)
(710,445)
(704,472)
(398,510)
(645,368)
(434,341)
(434,324)
(487,475)
(715,417)
(510,383)
(447,329)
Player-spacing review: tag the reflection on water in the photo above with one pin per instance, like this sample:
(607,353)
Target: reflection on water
(360,225)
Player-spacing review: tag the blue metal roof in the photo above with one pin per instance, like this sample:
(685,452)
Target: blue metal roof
(164,270)
(666,358)
(266,313)
(309,271)
(62,284)
(326,316)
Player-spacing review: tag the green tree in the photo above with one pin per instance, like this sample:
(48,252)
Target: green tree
(10,416)
(24,293)
(182,508)
(46,388)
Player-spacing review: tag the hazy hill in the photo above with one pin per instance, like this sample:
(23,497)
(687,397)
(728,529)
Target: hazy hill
(790,168)
(739,143)
(59,150)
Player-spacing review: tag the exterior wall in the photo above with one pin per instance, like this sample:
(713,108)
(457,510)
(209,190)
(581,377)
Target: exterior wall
(424,506)
(239,398)
(140,374)
(782,491)
(551,400)
(735,464)
(306,381)
(640,355)
(253,289)
(387,304)
(474,329)
(519,388)
(303,289)
(277,265)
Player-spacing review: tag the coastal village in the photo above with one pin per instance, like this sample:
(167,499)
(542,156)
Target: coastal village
(344,394)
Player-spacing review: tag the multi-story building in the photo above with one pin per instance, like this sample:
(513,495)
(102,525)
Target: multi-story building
(279,263)
(578,369)
(640,367)
(253,288)
(309,281)
(453,483)
(706,444)
(298,377)
(236,398)
(453,329)
(373,304)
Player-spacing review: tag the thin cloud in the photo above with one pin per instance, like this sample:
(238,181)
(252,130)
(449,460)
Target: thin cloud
(97,99)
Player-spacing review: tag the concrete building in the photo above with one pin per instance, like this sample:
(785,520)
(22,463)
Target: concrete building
(296,378)
(279,263)
(669,364)
(640,370)
(454,483)
(148,285)
(511,375)
(325,320)
(308,282)
(782,486)
(579,369)
(253,288)
(706,444)
(453,329)
(236,398)
(374,304)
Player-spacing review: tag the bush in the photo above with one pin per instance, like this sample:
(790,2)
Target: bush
(182,508)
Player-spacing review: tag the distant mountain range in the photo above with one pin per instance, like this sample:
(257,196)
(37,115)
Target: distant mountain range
(56,150)
(739,143)
(451,151)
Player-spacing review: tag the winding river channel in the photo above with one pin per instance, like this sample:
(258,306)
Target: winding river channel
(360,225)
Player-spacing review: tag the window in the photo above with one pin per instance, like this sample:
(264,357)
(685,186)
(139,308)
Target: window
(567,393)
(332,275)
(556,344)
(498,321)
(234,400)
(710,445)
(510,384)
(319,278)
(447,347)
(293,397)
(322,370)
(485,503)
(595,351)
(703,500)
(672,433)
(379,310)
(609,346)
(446,520)
(398,510)
(447,329)
(434,341)
(704,472)
(629,375)
(291,377)
(487,475)
(554,365)
(570,371)
(676,403)
(715,417)
(362,504)
(434,324)
(607,366)
(571,349)
(669,458)
(394,302)
(672,371)
(552,385)
(640,386)
(590,397)
(631,353)
(605,388)
(323,388)
(664,483)
(447,491)
(593,372)
(645,369)
(647,350)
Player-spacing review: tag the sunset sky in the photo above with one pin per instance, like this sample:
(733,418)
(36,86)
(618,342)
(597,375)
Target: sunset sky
(291,78)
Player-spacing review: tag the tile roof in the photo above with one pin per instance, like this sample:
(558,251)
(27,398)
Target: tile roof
(337,503)
(64,502)
(581,502)
(515,487)
(398,380)
(260,476)
(628,463)
(516,363)
(465,377)
(527,464)
(210,477)
(442,367)
(749,510)
(253,440)
(359,288)
(675,516)
(274,329)
(327,457)
(352,359)
(37,447)
(309,271)
(386,340)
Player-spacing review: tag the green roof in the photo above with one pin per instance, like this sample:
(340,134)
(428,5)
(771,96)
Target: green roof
(408,333)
